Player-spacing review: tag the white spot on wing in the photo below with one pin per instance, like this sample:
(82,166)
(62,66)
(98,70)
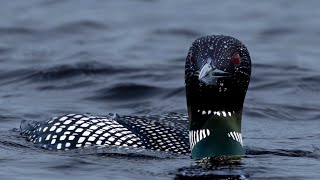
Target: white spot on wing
(71,138)
(63,118)
(93,127)
(71,128)
(48,137)
(59,130)
(81,139)
(63,137)
(53,141)
(67,122)
(111,139)
(59,146)
(52,128)
(91,138)
(86,133)
(68,144)
(79,130)
(84,125)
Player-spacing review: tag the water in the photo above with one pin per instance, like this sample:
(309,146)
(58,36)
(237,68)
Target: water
(128,57)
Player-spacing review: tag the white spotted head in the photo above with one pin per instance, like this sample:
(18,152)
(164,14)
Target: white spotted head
(217,75)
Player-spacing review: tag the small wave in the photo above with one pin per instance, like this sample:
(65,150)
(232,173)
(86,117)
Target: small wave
(284,152)
(6,31)
(4,49)
(13,76)
(283,111)
(272,77)
(212,171)
(180,91)
(177,32)
(12,139)
(274,32)
(124,92)
(68,71)
(78,26)
(73,85)
(306,84)
(309,83)
(271,81)
(11,144)
(267,70)
(62,72)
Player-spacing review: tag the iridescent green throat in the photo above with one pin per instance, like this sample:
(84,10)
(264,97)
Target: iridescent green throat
(219,134)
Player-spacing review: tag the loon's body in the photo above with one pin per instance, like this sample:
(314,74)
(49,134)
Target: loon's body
(217,75)
(166,132)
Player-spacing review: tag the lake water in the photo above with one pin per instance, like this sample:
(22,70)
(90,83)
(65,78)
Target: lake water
(128,57)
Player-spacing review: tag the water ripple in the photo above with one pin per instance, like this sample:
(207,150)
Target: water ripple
(284,152)
(283,111)
(16,30)
(79,26)
(68,71)
(126,92)
(176,31)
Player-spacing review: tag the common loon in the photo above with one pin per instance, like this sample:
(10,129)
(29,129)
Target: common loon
(217,75)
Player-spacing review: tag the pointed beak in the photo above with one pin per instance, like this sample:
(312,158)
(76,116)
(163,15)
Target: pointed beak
(205,70)
(208,74)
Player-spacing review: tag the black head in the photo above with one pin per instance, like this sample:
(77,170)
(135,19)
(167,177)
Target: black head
(217,75)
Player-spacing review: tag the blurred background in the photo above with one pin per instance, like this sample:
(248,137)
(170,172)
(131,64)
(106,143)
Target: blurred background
(127,57)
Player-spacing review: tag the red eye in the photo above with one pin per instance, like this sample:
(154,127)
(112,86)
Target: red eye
(236,59)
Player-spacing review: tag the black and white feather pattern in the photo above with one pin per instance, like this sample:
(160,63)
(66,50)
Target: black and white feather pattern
(163,133)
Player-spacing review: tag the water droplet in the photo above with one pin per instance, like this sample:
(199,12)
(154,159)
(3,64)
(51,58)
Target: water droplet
(211,47)
(225,46)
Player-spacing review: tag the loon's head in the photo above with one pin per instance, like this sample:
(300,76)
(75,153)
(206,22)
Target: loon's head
(217,75)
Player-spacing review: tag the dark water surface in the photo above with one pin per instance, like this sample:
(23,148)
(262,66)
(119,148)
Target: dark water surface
(128,57)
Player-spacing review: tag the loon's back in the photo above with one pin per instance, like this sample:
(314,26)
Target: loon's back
(165,132)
